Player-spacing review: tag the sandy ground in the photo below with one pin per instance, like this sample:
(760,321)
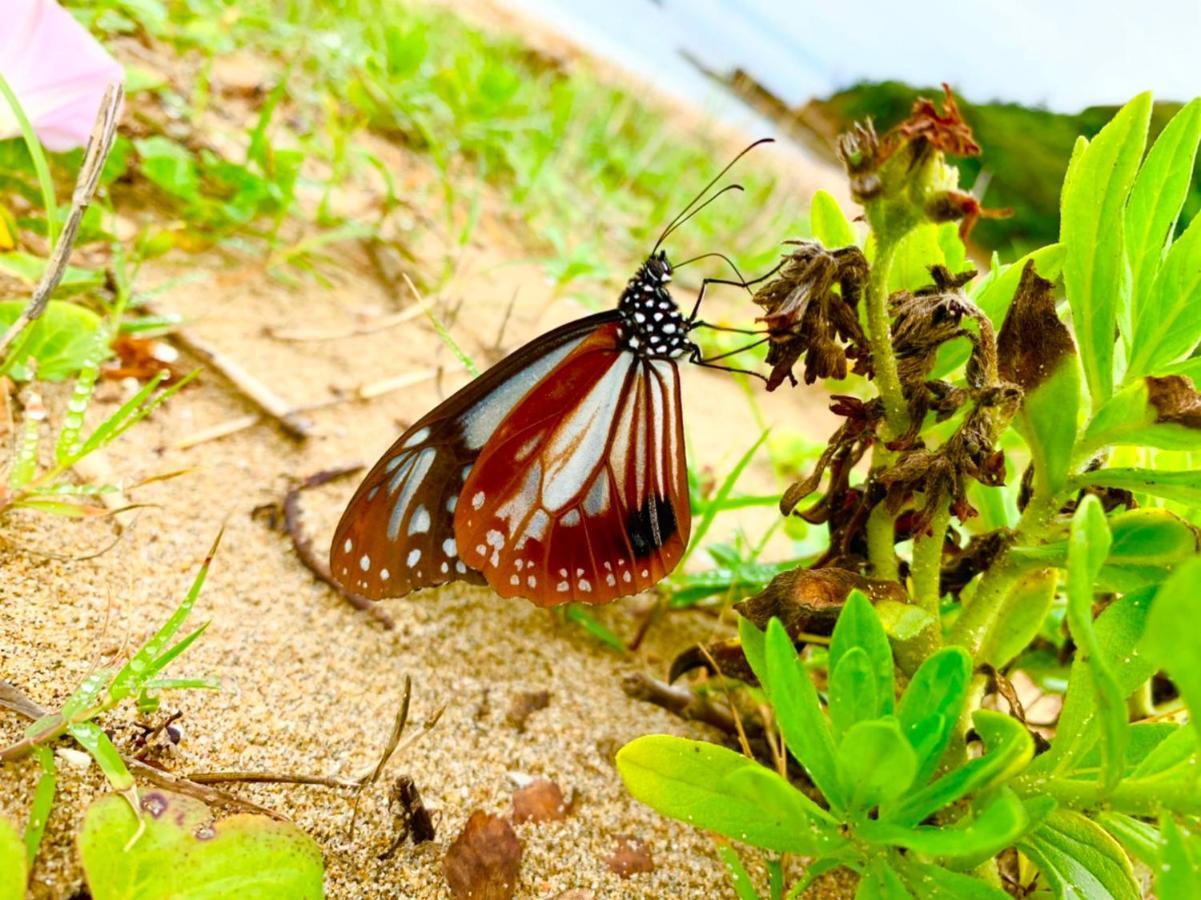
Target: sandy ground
(311,685)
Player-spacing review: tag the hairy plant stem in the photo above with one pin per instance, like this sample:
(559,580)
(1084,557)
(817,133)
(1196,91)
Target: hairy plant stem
(980,616)
(879,336)
(926,577)
(881,533)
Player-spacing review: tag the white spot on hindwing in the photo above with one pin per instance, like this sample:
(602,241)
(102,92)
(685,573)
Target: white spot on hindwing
(420,522)
(477,502)
(413,558)
(365,562)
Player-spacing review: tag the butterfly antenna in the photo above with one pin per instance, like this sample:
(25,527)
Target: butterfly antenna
(681,220)
(729,262)
(716,178)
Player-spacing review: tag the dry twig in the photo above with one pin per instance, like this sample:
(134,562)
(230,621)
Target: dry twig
(100,144)
(304,544)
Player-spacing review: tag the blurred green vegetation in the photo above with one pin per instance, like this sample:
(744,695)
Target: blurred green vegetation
(1025,155)
(592,170)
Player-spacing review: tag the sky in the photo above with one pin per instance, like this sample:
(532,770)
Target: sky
(1060,54)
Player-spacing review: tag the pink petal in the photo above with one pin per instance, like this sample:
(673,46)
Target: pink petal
(57,70)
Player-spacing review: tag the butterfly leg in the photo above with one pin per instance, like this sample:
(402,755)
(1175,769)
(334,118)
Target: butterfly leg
(742,283)
(696,358)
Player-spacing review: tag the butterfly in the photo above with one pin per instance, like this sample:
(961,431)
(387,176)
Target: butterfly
(558,475)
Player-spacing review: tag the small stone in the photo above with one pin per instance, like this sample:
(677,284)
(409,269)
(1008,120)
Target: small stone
(525,705)
(631,857)
(539,801)
(484,861)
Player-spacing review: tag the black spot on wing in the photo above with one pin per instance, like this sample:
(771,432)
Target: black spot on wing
(651,526)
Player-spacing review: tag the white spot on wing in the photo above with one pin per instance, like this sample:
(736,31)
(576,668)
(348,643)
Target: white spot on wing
(420,468)
(420,522)
(348,546)
(477,502)
(450,548)
(416,437)
(571,518)
(384,574)
(365,562)
(413,558)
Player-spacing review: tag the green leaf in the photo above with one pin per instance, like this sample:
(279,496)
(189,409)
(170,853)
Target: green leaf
(1021,616)
(1171,326)
(170,166)
(43,802)
(717,789)
(1182,487)
(881,882)
(1150,412)
(797,710)
(903,621)
(1147,543)
(1079,860)
(932,704)
(875,763)
(1008,749)
(859,626)
(931,882)
(916,252)
(27,268)
(1151,214)
(1178,873)
(184,854)
(1176,749)
(101,748)
(586,619)
(14,869)
(754,648)
(985,834)
(852,690)
(1092,232)
(744,887)
(829,223)
(1088,548)
(59,344)
(1174,616)
(1117,630)
(1140,839)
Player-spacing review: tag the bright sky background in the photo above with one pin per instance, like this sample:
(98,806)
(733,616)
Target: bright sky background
(1062,54)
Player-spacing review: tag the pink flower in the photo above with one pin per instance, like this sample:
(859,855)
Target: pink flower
(57,70)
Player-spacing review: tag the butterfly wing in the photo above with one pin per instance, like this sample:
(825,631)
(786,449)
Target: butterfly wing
(581,494)
(397,533)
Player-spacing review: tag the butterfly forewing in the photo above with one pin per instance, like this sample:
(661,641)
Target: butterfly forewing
(581,493)
(397,534)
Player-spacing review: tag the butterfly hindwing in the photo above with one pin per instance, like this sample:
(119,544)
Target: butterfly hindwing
(397,533)
(581,493)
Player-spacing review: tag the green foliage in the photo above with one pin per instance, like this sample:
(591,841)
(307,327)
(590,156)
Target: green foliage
(877,771)
(13,865)
(54,347)
(1082,574)
(174,848)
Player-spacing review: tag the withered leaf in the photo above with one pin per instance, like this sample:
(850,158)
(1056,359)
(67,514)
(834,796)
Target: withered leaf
(805,316)
(809,600)
(539,801)
(1175,400)
(1033,341)
(725,657)
(484,861)
(524,705)
(945,131)
(630,857)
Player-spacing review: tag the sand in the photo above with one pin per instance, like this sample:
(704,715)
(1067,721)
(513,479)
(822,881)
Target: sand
(309,684)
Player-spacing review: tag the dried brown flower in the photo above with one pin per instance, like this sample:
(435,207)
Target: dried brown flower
(806,316)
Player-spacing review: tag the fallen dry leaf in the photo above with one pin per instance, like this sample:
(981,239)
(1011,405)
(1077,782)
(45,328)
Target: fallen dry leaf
(539,801)
(484,861)
(631,857)
(525,705)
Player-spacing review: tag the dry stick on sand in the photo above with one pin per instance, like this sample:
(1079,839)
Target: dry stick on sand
(680,701)
(304,544)
(100,144)
(14,699)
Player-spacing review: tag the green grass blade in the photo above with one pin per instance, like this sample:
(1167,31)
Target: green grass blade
(723,492)
(45,182)
(43,802)
(444,334)
(68,442)
(93,739)
(143,663)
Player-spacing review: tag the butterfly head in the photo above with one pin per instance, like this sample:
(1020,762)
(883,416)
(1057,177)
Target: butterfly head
(651,323)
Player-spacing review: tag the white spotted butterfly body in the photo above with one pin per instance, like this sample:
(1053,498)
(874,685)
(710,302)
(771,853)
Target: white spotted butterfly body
(558,475)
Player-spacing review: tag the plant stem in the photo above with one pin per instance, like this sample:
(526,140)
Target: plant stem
(881,543)
(45,182)
(979,616)
(879,336)
(926,571)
